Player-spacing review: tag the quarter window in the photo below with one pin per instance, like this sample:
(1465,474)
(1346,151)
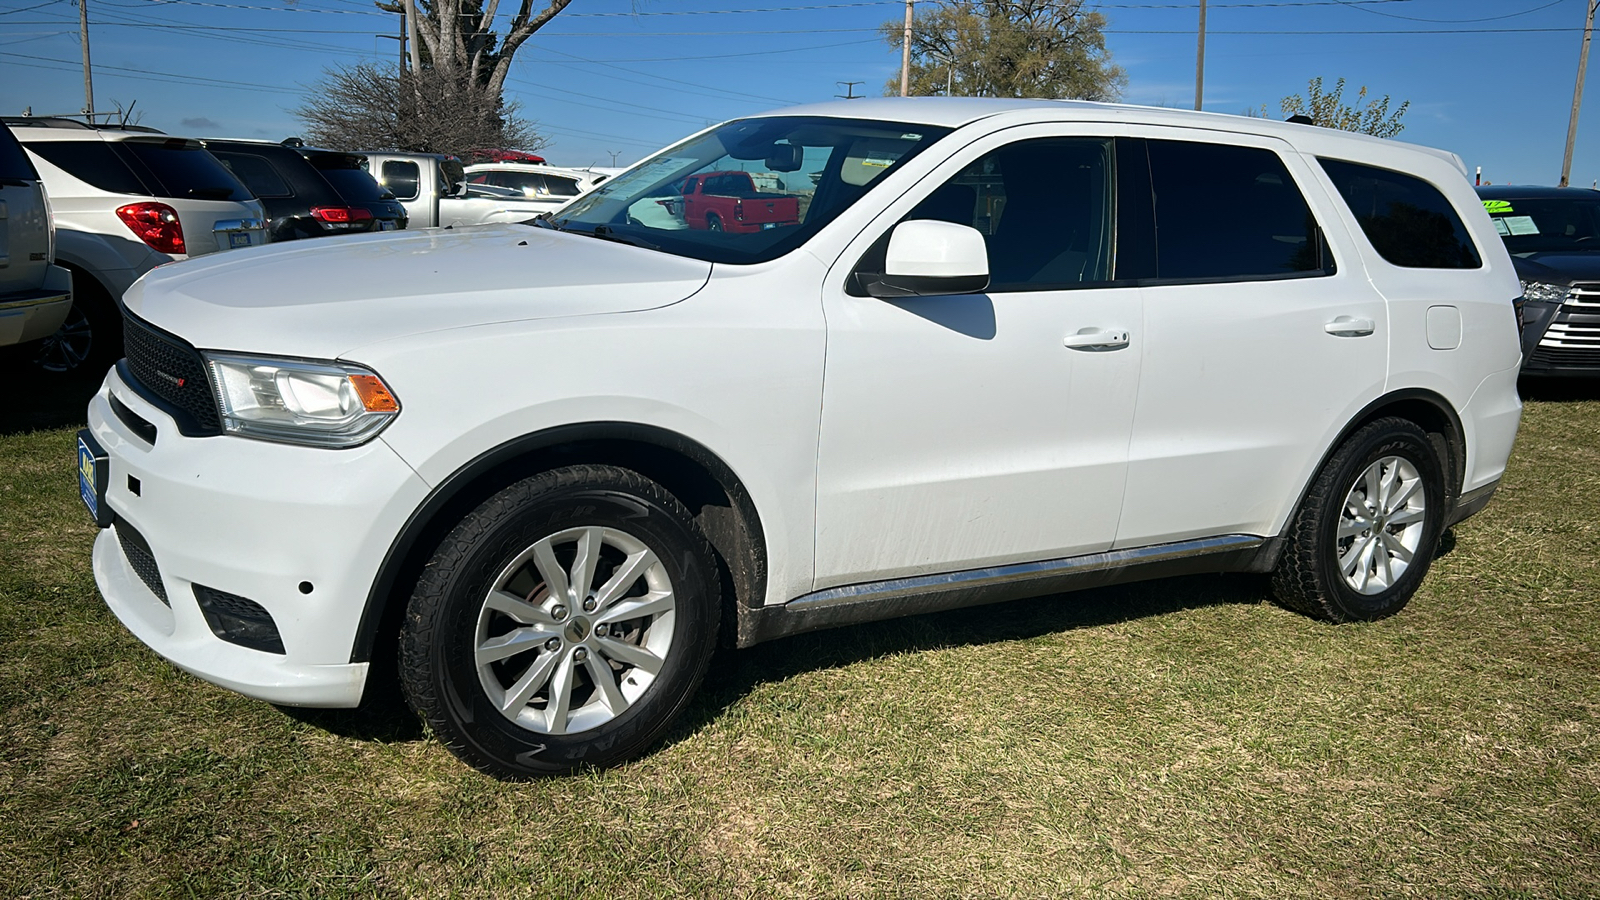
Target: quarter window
(1224,212)
(401,178)
(91,162)
(1407,220)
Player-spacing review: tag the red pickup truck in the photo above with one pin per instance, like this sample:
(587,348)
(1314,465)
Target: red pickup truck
(729,201)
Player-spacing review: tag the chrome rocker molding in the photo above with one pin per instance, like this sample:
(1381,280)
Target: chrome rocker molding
(878,600)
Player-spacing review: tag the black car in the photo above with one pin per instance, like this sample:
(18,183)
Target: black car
(309,192)
(1553,235)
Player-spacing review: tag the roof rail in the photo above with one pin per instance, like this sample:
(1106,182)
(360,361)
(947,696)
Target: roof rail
(68,122)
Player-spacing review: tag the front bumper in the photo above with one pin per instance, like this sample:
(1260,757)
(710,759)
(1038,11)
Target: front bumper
(257,520)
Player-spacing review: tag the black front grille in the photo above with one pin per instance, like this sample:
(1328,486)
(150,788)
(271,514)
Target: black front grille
(143,562)
(1563,358)
(170,374)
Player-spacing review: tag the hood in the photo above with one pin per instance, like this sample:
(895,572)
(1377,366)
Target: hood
(1558,267)
(321,297)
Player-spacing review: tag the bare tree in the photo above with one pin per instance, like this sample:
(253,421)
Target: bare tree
(368,106)
(459,40)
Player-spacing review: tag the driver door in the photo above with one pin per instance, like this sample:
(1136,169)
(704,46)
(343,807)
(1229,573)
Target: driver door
(976,430)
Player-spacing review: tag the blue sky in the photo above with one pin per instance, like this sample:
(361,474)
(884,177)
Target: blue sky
(1489,79)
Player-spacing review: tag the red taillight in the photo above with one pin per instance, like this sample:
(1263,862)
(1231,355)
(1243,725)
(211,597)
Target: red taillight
(156,224)
(341,215)
(738,210)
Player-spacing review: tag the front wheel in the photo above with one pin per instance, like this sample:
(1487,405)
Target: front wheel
(565,622)
(1367,531)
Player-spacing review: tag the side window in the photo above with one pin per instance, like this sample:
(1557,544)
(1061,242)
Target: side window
(1044,208)
(1228,212)
(91,162)
(401,178)
(1407,220)
(561,187)
(256,173)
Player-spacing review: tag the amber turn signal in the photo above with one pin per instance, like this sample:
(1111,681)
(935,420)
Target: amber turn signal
(374,394)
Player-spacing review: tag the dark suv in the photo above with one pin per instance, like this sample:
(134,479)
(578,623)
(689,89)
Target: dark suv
(309,192)
(1553,235)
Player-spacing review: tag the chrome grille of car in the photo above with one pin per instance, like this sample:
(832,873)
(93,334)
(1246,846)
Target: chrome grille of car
(1584,293)
(171,373)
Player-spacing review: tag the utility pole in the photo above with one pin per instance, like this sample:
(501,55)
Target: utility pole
(905,54)
(1577,92)
(849,90)
(401,37)
(88,79)
(411,35)
(1200,60)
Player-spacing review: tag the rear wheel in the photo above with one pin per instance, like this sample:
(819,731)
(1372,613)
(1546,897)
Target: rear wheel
(713,221)
(90,339)
(1365,535)
(565,622)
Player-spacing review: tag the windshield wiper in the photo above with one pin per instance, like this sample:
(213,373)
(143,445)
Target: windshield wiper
(607,233)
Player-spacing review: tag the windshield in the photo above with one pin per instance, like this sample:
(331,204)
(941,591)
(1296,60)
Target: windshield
(1548,223)
(748,191)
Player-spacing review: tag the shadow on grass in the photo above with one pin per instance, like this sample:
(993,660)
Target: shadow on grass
(735,673)
(1559,390)
(31,399)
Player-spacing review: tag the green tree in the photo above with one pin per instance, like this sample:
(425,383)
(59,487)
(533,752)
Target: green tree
(1008,48)
(1327,108)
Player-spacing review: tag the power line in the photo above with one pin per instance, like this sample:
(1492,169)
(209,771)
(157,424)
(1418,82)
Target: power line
(1379,12)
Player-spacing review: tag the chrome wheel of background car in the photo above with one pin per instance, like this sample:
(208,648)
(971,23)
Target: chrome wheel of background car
(69,347)
(574,630)
(1381,527)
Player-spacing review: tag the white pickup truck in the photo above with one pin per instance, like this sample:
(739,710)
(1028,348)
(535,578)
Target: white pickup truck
(433,188)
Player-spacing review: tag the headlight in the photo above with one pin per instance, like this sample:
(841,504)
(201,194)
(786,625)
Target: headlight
(323,404)
(1544,291)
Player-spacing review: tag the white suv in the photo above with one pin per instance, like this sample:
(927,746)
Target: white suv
(1011,348)
(124,201)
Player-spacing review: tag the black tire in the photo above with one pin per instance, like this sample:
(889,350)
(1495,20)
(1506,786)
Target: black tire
(90,339)
(449,620)
(1309,577)
(713,222)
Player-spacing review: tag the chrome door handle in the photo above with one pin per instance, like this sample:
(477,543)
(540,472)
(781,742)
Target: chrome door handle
(1096,339)
(1347,326)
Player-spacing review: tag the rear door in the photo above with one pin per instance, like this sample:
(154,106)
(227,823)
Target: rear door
(24,221)
(1262,338)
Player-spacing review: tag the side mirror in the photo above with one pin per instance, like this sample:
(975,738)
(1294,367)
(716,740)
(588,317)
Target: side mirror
(927,257)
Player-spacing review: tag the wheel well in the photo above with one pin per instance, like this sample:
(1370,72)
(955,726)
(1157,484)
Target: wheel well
(1433,415)
(1430,412)
(714,496)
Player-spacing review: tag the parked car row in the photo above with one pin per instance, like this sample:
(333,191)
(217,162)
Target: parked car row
(85,210)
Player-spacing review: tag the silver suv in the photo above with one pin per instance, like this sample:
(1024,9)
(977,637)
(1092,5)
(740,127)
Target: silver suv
(35,294)
(126,200)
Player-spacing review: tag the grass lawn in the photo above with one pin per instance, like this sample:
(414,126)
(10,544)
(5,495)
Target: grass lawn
(1182,738)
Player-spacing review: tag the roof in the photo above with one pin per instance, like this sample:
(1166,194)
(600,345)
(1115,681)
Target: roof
(1535,192)
(954,112)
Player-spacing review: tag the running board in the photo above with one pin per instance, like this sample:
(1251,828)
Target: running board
(878,600)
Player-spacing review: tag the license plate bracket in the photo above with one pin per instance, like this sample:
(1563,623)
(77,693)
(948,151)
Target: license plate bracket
(94,474)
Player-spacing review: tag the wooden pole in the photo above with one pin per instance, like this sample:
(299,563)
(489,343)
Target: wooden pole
(88,78)
(905,54)
(1577,92)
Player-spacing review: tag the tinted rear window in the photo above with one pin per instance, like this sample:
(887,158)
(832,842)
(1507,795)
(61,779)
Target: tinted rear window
(354,185)
(14,163)
(256,172)
(91,162)
(1408,221)
(1224,211)
(402,178)
(184,170)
